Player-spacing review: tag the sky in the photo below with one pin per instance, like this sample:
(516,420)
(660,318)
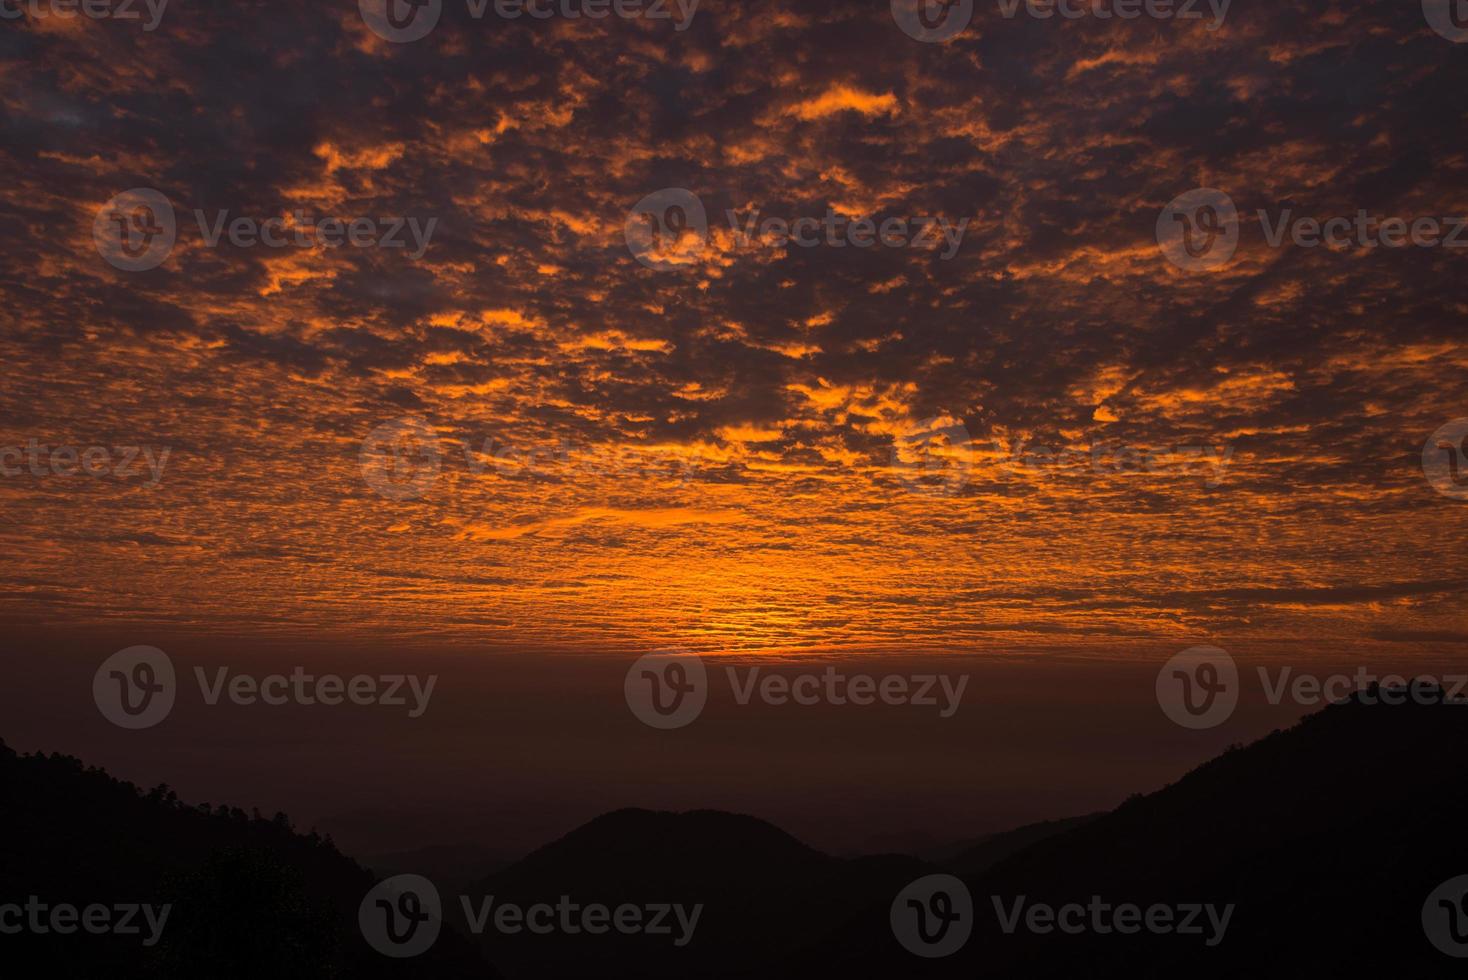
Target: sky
(566,416)
(720,453)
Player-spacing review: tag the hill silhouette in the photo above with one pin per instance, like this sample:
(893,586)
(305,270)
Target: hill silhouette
(979,855)
(765,894)
(250,897)
(1327,837)
(1326,840)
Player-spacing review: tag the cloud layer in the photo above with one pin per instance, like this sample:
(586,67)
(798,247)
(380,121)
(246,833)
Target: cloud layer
(768,446)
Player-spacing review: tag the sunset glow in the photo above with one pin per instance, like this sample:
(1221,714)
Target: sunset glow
(735,456)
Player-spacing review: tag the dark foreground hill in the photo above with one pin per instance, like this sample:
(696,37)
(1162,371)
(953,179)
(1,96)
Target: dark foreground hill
(763,896)
(1327,839)
(249,897)
(980,855)
(1319,845)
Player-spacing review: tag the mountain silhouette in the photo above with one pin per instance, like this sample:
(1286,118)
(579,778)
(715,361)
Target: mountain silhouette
(974,856)
(250,897)
(451,867)
(764,894)
(1325,840)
